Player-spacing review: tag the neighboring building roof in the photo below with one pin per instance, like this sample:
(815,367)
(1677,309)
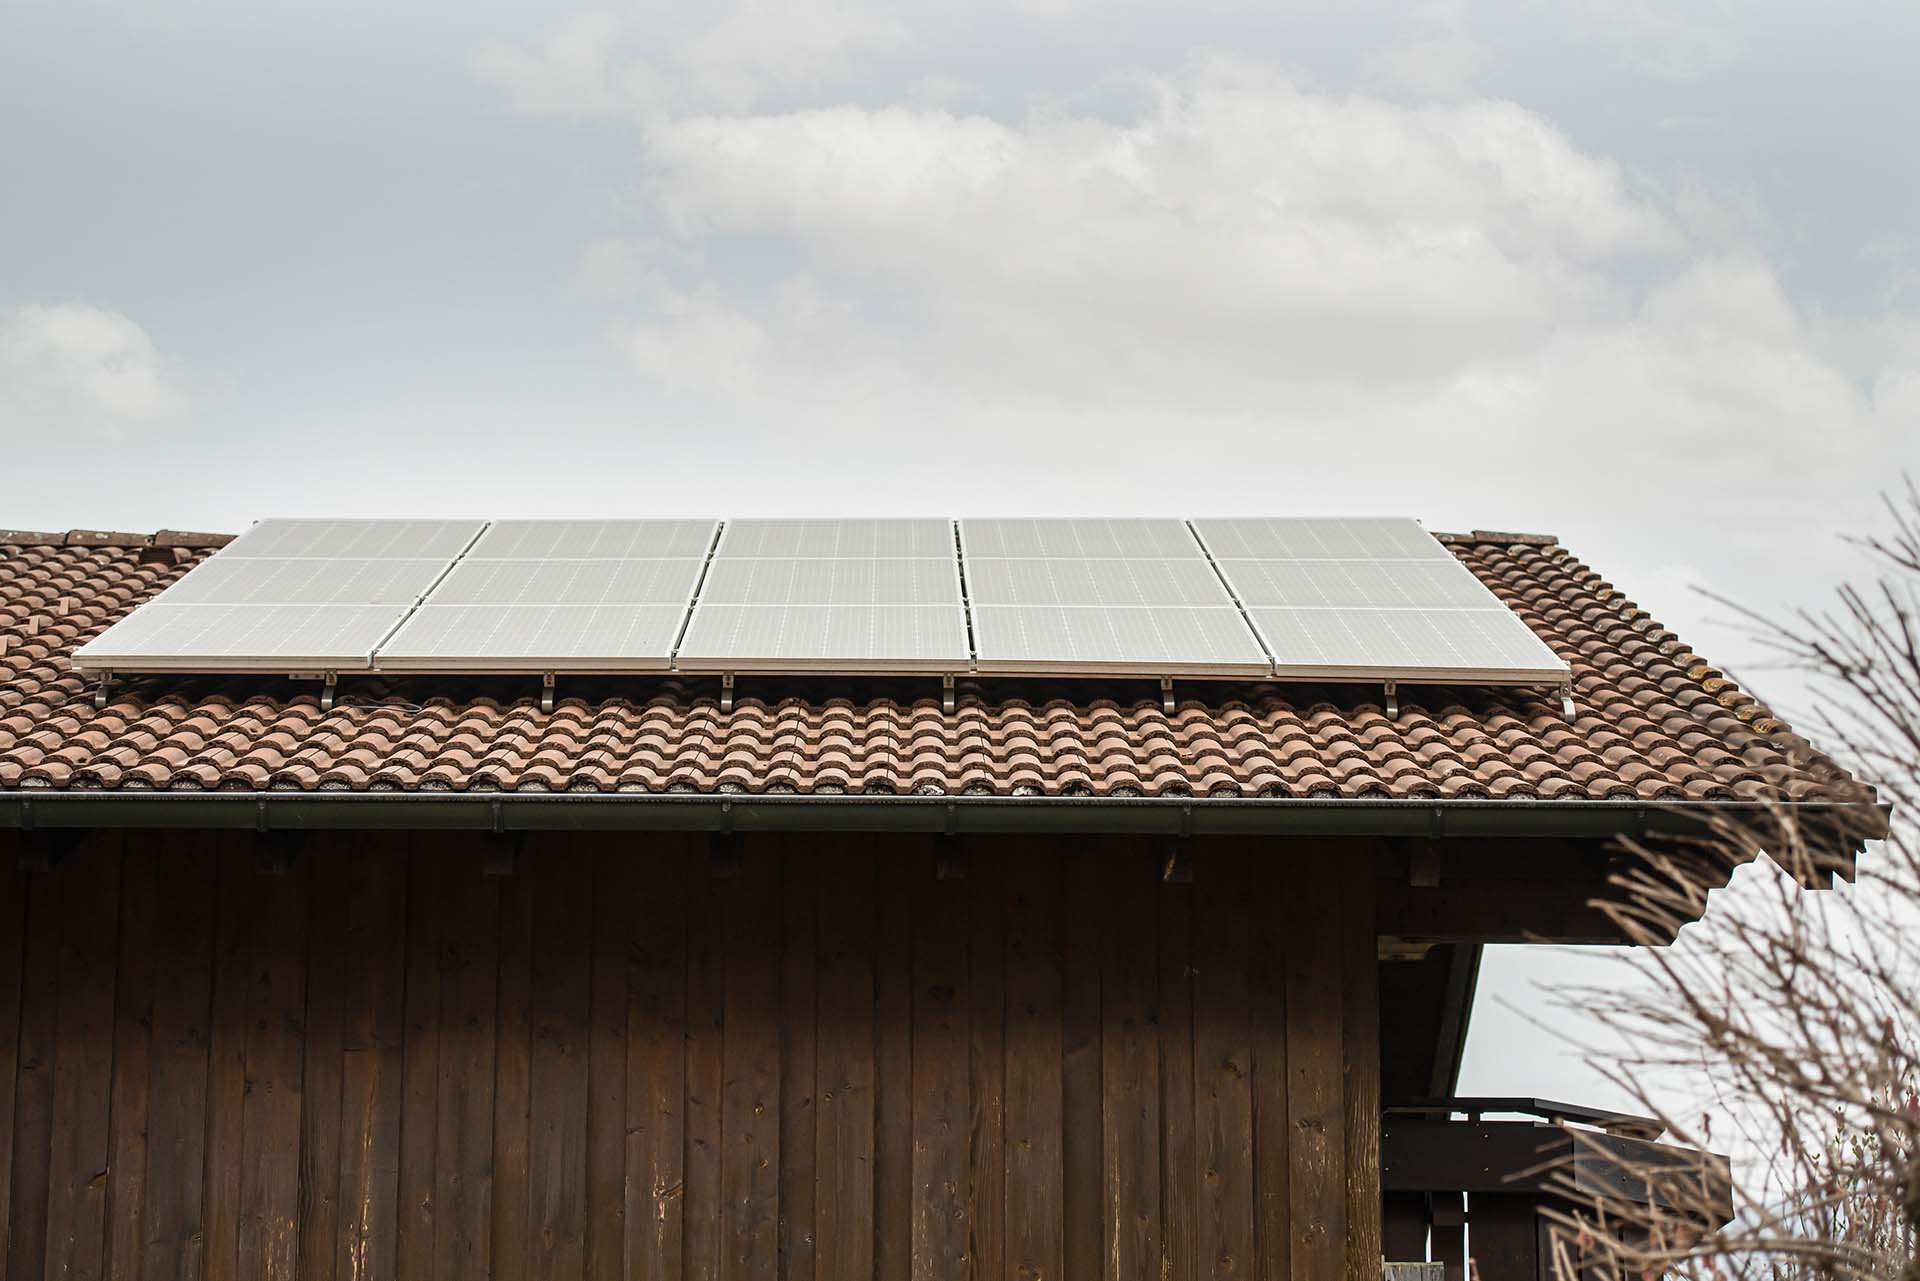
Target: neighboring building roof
(1654,721)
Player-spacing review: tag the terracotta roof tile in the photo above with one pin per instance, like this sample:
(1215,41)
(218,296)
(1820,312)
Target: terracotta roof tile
(1654,721)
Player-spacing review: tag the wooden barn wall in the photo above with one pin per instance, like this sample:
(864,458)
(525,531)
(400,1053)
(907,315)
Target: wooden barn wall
(650,1057)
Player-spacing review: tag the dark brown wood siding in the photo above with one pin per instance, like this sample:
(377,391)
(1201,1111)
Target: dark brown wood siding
(645,1056)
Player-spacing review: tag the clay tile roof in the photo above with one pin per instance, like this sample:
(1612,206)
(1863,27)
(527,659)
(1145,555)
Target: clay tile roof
(1654,721)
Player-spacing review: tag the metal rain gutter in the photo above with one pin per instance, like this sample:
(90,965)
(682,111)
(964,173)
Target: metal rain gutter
(35,809)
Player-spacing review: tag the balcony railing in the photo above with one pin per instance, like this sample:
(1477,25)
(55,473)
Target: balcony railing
(1458,1186)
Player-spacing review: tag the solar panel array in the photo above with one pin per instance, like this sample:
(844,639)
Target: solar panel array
(1361,599)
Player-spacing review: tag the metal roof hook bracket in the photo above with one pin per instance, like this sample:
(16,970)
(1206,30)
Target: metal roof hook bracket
(1566,702)
(546,691)
(1393,700)
(726,691)
(946,694)
(329,686)
(1166,695)
(103,691)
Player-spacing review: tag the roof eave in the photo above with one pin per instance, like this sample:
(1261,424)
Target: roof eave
(937,814)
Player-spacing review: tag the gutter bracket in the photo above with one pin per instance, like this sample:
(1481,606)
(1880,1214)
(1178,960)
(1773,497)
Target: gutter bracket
(1166,695)
(546,692)
(499,817)
(947,694)
(1566,702)
(953,819)
(260,815)
(726,691)
(329,686)
(1393,700)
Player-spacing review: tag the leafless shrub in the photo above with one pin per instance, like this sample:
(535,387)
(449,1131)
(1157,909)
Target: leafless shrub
(1793,1014)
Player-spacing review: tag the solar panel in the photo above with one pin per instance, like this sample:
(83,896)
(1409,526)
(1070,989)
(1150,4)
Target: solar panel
(558,595)
(162,637)
(1128,597)
(594,540)
(1372,599)
(830,595)
(534,638)
(303,596)
(353,539)
(1119,640)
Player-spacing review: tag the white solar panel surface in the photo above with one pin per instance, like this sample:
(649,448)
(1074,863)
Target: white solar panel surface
(553,596)
(1375,598)
(1358,599)
(287,595)
(1133,597)
(830,595)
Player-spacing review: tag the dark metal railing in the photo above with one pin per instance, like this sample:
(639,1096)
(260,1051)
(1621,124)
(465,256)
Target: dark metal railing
(1459,1187)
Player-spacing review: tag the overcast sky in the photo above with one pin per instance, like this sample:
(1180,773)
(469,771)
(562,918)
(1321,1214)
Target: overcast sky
(1641,273)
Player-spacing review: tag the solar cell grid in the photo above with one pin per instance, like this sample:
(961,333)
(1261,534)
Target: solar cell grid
(533,638)
(595,540)
(569,582)
(354,539)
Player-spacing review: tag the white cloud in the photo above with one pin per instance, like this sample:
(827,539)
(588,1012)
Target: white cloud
(598,63)
(569,73)
(1398,302)
(76,368)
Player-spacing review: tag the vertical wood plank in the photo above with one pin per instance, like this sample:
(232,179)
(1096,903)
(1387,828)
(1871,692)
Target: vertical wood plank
(1272,1150)
(1130,1067)
(372,1077)
(987,1017)
(562,976)
(33,1095)
(799,1035)
(1035,1240)
(895,926)
(185,920)
(942,1217)
(1360,977)
(1316,1071)
(750,1099)
(83,1057)
(469,996)
(227,1062)
(656,1064)
(845,1064)
(1223,1068)
(1083,1183)
(614,881)
(1179,1155)
(132,1063)
(320,1112)
(13,945)
(512,1253)
(275,1050)
(428,874)
(706,994)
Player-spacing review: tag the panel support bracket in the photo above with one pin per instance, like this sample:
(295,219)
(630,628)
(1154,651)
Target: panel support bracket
(103,691)
(1566,702)
(546,691)
(947,700)
(1166,695)
(1393,700)
(329,686)
(726,691)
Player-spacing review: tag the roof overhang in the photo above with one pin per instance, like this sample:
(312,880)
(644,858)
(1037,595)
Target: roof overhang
(34,809)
